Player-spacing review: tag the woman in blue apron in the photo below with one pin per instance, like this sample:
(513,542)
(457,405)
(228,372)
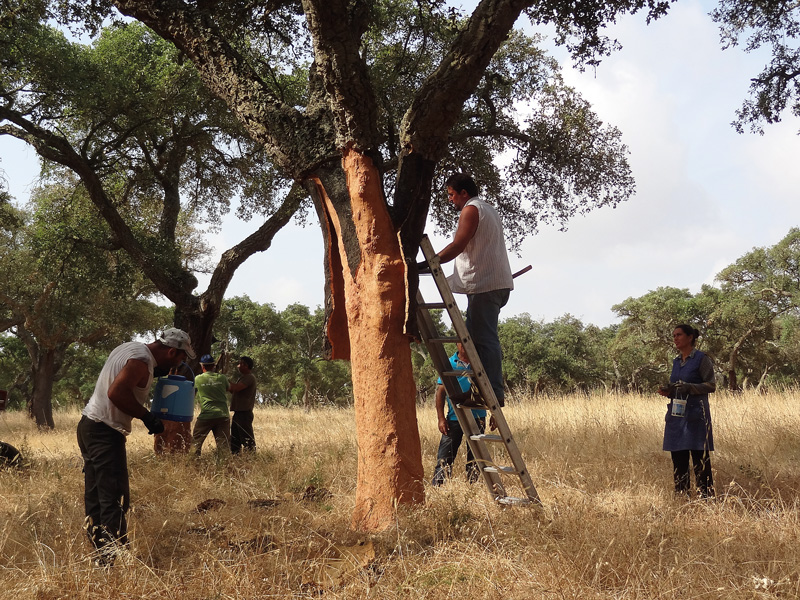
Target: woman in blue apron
(687,432)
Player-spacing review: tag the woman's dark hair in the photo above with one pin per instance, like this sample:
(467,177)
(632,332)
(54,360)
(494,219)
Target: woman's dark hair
(690,331)
(460,182)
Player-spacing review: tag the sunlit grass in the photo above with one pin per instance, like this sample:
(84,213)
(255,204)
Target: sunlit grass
(277,523)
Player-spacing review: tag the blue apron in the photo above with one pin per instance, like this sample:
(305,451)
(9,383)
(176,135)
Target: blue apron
(692,431)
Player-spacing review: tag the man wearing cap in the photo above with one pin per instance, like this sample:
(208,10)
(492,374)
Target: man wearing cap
(119,396)
(243,402)
(212,395)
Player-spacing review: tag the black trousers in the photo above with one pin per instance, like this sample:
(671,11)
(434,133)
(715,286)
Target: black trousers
(701,461)
(242,435)
(107,494)
(448,448)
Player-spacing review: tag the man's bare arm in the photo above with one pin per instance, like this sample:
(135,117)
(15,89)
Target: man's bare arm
(467,226)
(134,374)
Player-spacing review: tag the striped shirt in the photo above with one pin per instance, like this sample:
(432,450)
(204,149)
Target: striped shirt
(483,265)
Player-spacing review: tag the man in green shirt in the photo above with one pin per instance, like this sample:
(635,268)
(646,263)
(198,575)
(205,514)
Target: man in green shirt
(211,389)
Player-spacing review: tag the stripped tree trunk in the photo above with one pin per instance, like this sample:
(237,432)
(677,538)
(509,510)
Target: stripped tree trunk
(371,285)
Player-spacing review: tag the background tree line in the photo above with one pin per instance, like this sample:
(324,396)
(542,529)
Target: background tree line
(76,310)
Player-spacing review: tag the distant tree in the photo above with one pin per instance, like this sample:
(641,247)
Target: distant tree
(758,289)
(785,369)
(300,361)
(524,352)
(288,348)
(560,356)
(244,324)
(60,285)
(15,372)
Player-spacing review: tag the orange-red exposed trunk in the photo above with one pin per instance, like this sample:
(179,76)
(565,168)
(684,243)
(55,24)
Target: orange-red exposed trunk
(389,457)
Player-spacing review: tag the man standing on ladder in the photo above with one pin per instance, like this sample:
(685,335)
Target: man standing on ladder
(481,271)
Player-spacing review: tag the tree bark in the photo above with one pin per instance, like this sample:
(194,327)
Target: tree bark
(374,294)
(733,360)
(44,370)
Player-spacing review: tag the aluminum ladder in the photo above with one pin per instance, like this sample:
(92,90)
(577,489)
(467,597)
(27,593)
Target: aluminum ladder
(478,442)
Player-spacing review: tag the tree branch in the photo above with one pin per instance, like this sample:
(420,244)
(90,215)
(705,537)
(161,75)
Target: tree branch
(167,278)
(228,74)
(258,241)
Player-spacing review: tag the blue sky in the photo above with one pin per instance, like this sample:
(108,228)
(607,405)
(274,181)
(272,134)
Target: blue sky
(705,194)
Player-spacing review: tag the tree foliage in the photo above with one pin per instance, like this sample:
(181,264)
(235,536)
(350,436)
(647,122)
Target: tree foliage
(774,24)
(160,158)
(756,293)
(60,285)
(560,356)
(288,348)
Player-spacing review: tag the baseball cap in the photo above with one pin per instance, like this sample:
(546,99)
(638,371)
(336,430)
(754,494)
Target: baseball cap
(207,359)
(177,338)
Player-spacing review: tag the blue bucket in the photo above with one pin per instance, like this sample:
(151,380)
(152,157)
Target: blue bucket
(174,399)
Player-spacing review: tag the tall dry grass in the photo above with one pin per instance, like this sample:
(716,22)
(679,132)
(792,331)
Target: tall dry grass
(276,524)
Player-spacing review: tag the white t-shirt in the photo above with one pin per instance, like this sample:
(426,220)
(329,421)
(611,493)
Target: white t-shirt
(100,408)
(483,265)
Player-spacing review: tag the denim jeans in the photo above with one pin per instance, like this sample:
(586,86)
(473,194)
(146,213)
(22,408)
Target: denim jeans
(483,314)
(107,494)
(448,448)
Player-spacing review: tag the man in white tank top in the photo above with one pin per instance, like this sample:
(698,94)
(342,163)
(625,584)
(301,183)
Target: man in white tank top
(481,271)
(119,396)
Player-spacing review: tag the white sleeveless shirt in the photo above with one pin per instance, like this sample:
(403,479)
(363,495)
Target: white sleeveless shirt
(483,265)
(100,408)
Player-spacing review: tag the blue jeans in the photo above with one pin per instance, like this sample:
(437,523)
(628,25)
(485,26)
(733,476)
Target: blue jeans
(483,314)
(448,448)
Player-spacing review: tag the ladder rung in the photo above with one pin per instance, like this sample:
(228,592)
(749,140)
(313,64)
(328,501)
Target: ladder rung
(486,438)
(473,407)
(459,373)
(509,470)
(444,340)
(433,305)
(511,501)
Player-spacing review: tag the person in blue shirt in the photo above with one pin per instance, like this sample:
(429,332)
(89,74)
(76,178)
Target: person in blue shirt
(450,428)
(687,429)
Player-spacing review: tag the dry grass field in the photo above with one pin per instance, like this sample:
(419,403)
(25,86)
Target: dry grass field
(276,524)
